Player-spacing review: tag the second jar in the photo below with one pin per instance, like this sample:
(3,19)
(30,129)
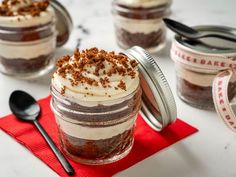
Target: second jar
(197,64)
(29,35)
(139,22)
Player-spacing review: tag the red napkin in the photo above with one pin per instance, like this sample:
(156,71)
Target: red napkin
(147,142)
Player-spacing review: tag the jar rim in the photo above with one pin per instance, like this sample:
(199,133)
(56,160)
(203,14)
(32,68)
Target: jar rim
(141,13)
(205,47)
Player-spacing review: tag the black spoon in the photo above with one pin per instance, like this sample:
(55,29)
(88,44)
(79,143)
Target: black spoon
(193,34)
(25,107)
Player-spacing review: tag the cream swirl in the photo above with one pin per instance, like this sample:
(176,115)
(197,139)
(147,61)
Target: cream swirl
(16,5)
(113,80)
(20,15)
(143,3)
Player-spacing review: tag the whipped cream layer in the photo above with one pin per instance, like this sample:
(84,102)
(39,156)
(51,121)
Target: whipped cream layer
(143,3)
(26,20)
(27,50)
(197,78)
(200,79)
(91,95)
(70,127)
(139,26)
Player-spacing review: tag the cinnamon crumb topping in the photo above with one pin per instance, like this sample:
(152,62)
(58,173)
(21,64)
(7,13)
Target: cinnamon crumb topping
(34,8)
(122,85)
(133,63)
(99,63)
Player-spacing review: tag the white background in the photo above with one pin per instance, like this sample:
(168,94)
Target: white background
(210,153)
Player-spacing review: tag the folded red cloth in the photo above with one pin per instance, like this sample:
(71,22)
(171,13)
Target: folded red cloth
(147,142)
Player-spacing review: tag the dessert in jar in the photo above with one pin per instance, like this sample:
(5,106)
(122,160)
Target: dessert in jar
(96,96)
(139,22)
(28,36)
(197,64)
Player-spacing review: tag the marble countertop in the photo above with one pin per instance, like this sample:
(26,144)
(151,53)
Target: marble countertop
(210,153)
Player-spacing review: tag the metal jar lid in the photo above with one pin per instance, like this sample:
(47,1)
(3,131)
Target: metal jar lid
(64,22)
(158,108)
(210,45)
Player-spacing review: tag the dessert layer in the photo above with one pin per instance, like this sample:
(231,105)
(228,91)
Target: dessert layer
(19,65)
(127,39)
(94,133)
(143,3)
(97,114)
(197,78)
(27,50)
(200,96)
(137,25)
(97,149)
(27,34)
(25,13)
(96,76)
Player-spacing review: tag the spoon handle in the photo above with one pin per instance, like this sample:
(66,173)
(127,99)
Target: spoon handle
(68,168)
(229,37)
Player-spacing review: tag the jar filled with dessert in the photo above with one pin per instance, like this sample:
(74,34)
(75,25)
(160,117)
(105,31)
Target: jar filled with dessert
(29,37)
(198,63)
(139,22)
(96,96)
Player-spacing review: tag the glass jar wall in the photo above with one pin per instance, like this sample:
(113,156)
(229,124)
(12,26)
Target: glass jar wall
(140,23)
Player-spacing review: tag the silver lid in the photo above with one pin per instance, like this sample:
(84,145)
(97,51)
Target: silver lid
(210,44)
(64,22)
(158,108)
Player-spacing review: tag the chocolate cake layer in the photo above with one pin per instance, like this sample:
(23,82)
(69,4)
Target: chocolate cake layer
(127,39)
(96,149)
(26,34)
(99,113)
(199,96)
(20,65)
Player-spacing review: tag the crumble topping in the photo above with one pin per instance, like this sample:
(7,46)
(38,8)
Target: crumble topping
(23,7)
(78,67)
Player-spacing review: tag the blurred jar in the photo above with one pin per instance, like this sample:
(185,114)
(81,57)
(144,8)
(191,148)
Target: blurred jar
(139,22)
(197,65)
(29,35)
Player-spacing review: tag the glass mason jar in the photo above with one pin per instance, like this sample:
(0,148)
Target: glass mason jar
(99,134)
(96,96)
(27,44)
(28,39)
(140,23)
(197,65)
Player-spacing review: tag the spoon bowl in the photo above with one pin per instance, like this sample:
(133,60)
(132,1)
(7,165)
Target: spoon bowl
(24,106)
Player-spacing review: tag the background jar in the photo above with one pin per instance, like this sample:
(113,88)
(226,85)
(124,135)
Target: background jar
(28,43)
(140,23)
(100,134)
(195,87)
(27,50)
(198,63)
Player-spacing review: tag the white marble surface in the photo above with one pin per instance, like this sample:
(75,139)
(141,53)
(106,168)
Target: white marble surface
(209,153)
